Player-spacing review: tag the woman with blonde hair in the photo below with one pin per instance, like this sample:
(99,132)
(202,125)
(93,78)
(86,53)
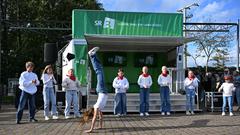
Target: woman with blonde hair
(48,92)
(164,81)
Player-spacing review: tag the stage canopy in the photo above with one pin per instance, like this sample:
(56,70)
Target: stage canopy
(136,43)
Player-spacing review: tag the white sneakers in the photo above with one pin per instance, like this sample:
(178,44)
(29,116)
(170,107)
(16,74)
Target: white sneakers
(146,114)
(67,117)
(47,118)
(93,51)
(188,113)
(118,115)
(77,116)
(163,113)
(230,114)
(54,117)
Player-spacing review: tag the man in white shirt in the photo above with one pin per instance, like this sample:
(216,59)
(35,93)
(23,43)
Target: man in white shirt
(27,83)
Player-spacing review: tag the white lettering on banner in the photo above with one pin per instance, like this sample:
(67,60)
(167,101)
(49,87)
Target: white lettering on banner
(109,23)
(82,62)
(98,23)
(139,24)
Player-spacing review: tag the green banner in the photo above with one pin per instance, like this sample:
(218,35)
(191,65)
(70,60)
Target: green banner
(80,63)
(126,23)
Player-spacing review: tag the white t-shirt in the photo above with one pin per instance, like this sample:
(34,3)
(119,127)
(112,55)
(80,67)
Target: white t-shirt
(164,81)
(120,86)
(147,81)
(101,101)
(227,88)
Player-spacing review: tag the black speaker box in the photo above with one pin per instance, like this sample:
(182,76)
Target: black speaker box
(50,53)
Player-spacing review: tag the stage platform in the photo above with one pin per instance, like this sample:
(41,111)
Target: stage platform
(178,102)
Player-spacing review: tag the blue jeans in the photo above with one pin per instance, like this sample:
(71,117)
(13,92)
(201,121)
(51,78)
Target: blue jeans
(31,105)
(190,96)
(230,103)
(120,106)
(49,96)
(238,95)
(72,97)
(99,72)
(144,100)
(165,99)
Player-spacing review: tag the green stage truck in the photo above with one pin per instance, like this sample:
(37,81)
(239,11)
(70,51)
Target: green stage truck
(128,40)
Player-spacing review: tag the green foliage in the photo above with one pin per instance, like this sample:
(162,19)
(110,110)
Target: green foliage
(19,46)
(220,58)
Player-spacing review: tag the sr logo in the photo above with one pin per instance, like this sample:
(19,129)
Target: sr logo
(98,23)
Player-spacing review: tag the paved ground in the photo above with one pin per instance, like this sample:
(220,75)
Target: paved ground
(179,123)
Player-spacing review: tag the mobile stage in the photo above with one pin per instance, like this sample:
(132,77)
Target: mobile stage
(128,40)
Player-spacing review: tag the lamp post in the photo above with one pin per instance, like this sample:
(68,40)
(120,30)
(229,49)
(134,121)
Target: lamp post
(181,57)
(185,17)
(238,25)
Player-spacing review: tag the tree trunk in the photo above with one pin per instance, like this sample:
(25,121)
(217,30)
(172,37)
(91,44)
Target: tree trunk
(206,68)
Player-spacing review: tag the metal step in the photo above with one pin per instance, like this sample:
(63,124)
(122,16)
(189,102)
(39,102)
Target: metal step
(178,102)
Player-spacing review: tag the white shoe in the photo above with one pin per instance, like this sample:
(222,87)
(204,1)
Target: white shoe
(118,115)
(55,117)
(124,114)
(223,113)
(168,113)
(67,117)
(93,51)
(77,116)
(163,113)
(188,113)
(230,114)
(146,114)
(141,114)
(192,112)
(46,118)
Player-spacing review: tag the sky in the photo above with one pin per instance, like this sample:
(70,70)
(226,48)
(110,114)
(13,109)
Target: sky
(208,11)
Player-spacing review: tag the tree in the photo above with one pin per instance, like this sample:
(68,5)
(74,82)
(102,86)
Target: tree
(194,56)
(208,44)
(220,58)
(20,46)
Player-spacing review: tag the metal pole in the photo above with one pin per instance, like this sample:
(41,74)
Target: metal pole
(184,45)
(2,12)
(238,45)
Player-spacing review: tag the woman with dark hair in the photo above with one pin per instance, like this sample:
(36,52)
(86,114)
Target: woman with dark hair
(101,90)
(121,85)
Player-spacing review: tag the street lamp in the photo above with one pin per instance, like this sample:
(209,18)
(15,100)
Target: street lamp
(185,17)
(182,63)
(188,7)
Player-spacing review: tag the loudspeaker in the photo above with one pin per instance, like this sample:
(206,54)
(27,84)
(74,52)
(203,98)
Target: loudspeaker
(70,56)
(50,52)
